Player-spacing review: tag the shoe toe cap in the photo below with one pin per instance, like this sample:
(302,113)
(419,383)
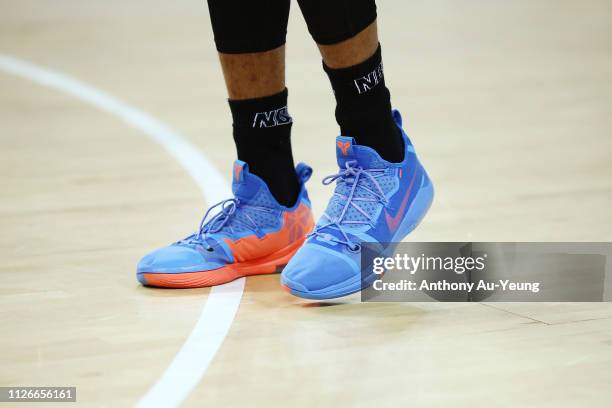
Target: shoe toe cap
(317,268)
(175,259)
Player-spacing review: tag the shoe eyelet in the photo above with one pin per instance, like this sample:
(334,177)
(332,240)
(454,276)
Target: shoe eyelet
(355,249)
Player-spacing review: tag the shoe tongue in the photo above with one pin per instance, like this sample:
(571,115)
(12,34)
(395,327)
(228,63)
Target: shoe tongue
(245,184)
(347,150)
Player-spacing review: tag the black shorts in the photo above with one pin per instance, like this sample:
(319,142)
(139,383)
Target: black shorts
(244,26)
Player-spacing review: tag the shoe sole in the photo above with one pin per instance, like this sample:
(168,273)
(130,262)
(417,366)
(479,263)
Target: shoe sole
(262,266)
(419,208)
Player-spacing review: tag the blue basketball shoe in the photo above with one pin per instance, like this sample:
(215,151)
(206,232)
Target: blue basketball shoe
(374,201)
(251,234)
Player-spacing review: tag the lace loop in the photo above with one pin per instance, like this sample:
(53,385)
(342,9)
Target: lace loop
(352,175)
(223,219)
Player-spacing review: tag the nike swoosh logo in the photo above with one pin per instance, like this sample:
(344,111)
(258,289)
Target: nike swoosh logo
(393,222)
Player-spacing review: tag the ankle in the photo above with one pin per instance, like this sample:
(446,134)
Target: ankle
(262,133)
(363,107)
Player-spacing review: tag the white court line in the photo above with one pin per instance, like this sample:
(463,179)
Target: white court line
(194,357)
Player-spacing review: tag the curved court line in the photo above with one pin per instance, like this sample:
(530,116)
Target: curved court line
(194,357)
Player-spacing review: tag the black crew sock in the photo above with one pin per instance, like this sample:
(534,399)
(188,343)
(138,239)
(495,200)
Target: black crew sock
(363,107)
(262,133)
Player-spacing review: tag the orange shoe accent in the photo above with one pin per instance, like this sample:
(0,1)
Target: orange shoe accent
(296,224)
(237,171)
(344,147)
(252,255)
(269,264)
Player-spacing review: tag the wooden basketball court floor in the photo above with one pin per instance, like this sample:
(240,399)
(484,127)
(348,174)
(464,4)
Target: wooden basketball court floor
(508,103)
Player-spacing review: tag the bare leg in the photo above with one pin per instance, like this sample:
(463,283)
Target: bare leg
(254,75)
(352,51)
